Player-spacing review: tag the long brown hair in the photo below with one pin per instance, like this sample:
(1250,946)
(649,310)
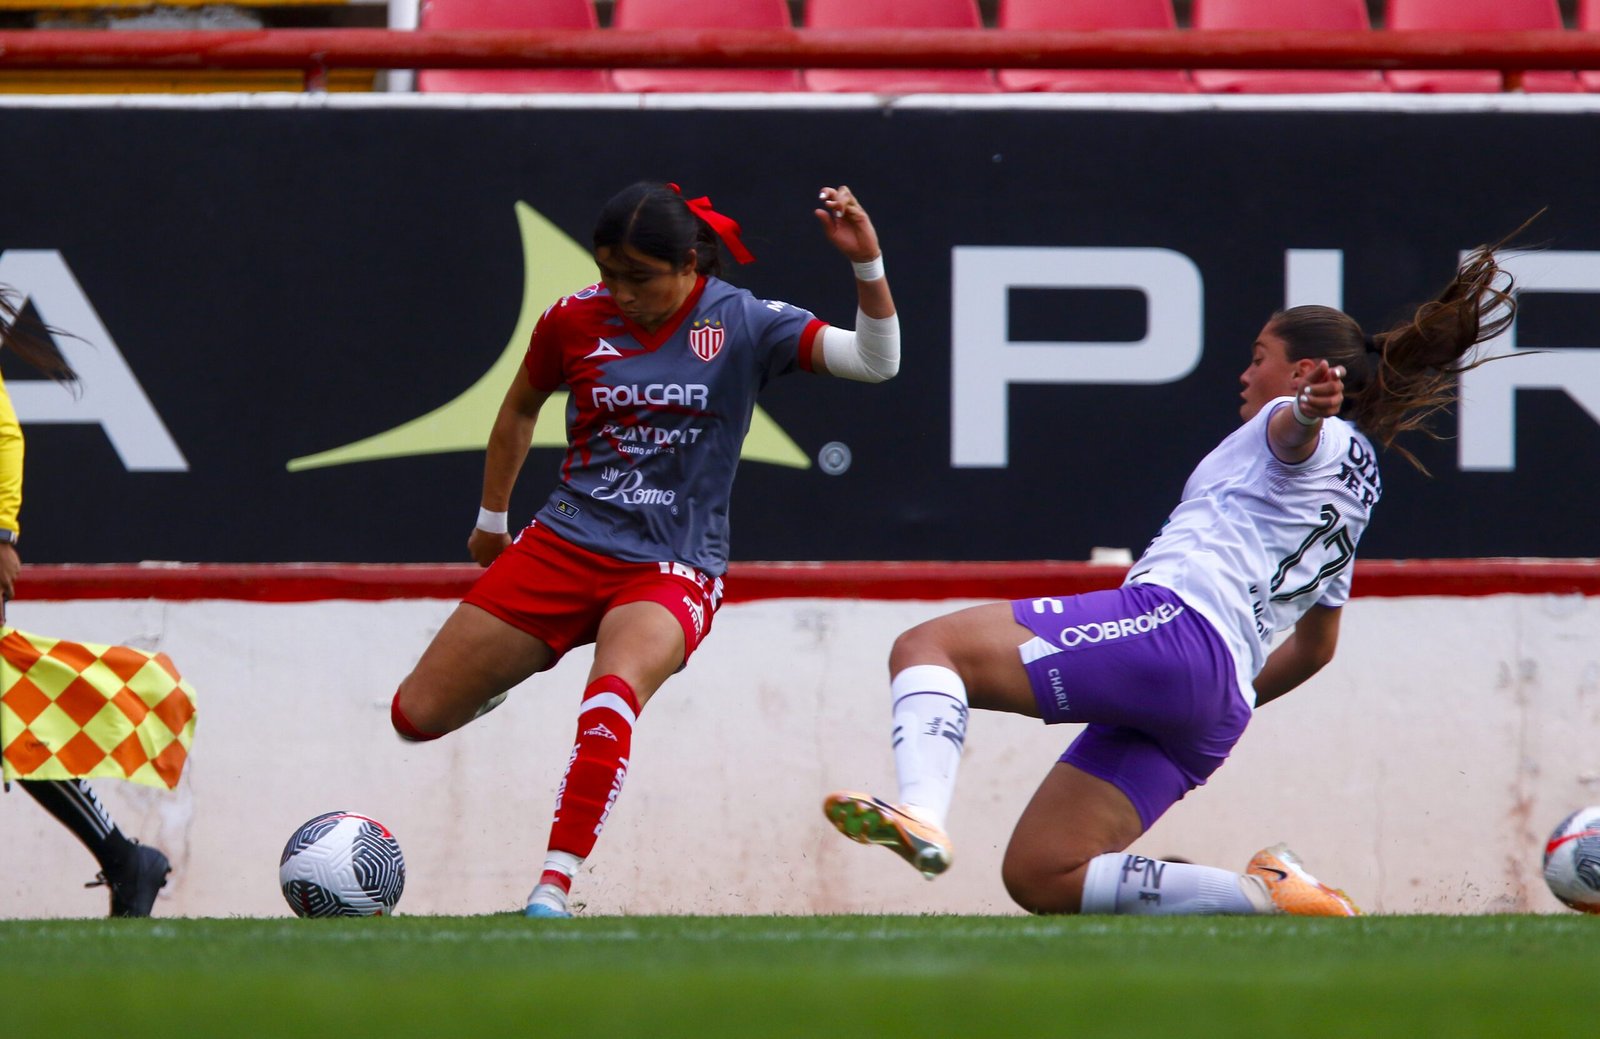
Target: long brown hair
(1397,381)
(30,340)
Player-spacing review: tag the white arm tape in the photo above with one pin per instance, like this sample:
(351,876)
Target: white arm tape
(492,522)
(869,354)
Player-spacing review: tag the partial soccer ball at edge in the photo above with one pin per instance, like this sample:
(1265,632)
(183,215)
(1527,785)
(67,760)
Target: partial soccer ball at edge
(1572,860)
(342,864)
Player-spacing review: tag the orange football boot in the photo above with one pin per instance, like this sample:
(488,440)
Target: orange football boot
(1293,890)
(868,820)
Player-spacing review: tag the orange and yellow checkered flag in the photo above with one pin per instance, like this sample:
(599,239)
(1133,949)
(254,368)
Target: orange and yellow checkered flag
(73,709)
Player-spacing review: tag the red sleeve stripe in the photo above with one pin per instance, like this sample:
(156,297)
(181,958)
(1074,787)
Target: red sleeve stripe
(807,338)
(747,582)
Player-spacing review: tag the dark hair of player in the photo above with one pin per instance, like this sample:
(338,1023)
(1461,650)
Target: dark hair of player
(23,335)
(655,219)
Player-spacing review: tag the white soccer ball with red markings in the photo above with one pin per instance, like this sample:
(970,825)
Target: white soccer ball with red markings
(342,864)
(1572,860)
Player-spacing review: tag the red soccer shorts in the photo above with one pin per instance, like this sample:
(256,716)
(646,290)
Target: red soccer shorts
(558,592)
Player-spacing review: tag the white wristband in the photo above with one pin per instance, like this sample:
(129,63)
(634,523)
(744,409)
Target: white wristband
(869,270)
(1300,416)
(492,522)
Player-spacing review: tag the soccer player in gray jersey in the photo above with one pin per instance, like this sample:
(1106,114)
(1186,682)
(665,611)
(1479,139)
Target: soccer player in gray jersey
(1167,669)
(663,361)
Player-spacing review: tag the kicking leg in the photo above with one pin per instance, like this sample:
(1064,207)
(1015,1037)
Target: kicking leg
(475,658)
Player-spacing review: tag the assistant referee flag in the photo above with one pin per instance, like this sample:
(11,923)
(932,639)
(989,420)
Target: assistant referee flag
(78,710)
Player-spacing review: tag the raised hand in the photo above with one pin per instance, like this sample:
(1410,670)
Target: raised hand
(846,224)
(1322,394)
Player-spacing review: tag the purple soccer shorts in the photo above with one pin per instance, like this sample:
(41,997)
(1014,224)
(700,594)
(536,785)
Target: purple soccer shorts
(1149,676)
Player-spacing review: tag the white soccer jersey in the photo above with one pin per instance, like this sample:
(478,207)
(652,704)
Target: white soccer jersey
(1256,542)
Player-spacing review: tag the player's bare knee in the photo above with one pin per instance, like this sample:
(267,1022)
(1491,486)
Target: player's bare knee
(1035,897)
(411,719)
(1042,889)
(919,645)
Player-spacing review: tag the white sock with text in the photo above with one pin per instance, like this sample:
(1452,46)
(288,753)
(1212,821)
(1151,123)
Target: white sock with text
(1133,885)
(930,729)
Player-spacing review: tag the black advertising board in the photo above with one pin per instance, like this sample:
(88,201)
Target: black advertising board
(295,322)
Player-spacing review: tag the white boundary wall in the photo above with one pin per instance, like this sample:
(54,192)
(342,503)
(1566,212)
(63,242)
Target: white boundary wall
(1421,771)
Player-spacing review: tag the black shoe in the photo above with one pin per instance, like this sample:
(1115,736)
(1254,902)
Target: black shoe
(135,883)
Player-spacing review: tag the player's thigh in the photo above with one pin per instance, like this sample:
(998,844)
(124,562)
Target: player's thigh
(475,656)
(642,643)
(980,644)
(1072,817)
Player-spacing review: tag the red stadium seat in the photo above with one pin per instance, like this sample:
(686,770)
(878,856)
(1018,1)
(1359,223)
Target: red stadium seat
(1025,15)
(897,14)
(1589,21)
(1485,15)
(1342,15)
(703,14)
(510,14)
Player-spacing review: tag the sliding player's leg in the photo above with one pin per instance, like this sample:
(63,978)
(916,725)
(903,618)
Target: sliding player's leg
(939,670)
(1067,854)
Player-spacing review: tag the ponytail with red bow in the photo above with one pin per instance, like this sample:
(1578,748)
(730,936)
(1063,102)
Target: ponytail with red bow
(726,227)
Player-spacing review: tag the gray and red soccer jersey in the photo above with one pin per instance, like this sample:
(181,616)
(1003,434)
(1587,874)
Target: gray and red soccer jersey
(655,422)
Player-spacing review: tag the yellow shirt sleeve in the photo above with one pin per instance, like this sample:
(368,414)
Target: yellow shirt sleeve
(10,463)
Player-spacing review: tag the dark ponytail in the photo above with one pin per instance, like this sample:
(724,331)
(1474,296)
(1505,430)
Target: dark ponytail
(1397,381)
(30,340)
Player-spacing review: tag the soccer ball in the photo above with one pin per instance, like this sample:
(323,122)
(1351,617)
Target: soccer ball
(1572,860)
(342,864)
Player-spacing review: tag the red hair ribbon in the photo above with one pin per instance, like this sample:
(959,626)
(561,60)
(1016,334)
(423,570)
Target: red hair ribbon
(726,227)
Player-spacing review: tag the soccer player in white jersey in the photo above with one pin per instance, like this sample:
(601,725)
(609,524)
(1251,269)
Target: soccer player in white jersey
(663,361)
(1167,669)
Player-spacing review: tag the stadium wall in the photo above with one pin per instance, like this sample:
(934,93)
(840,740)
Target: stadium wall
(1421,771)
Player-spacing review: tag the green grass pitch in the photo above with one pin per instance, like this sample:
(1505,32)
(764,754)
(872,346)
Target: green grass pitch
(707,977)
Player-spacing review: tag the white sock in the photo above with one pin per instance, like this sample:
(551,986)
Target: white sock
(556,880)
(930,728)
(1132,885)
